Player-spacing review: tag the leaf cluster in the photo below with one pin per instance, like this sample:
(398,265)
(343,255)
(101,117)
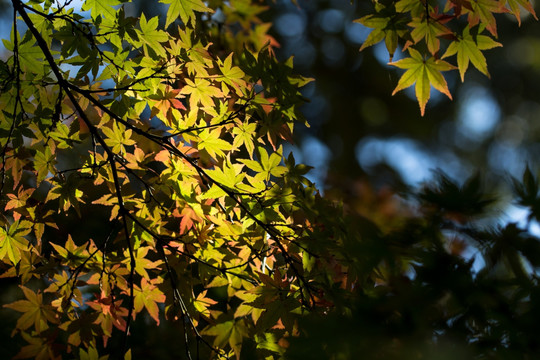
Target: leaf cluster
(432,31)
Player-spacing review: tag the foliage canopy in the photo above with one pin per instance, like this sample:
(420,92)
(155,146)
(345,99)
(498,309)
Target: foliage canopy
(143,177)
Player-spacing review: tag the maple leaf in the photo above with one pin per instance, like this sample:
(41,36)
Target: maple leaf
(110,313)
(164,102)
(425,73)
(184,9)
(232,75)
(202,303)
(210,140)
(102,8)
(16,163)
(483,10)
(514,7)
(38,348)
(385,26)
(62,134)
(469,50)
(142,262)
(71,253)
(147,296)
(244,134)
(202,92)
(34,312)
(189,217)
(118,137)
(67,193)
(415,7)
(267,165)
(231,332)
(44,164)
(151,36)
(12,241)
(18,201)
(429,29)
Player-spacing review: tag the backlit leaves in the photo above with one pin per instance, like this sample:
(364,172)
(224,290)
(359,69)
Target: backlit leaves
(148,296)
(103,8)
(13,242)
(515,8)
(184,9)
(34,312)
(151,36)
(141,170)
(425,73)
(143,175)
(437,29)
(468,49)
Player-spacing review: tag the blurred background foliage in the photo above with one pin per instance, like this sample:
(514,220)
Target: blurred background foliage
(459,249)
(359,131)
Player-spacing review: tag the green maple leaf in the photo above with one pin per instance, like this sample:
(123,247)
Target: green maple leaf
(385,26)
(469,50)
(71,253)
(244,134)
(425,73)
(118,137)
(34,312)
(151,36)
(184,9)
(232,75)
(211,142)
(31,56)
(12,241)
(44,164)
(229,175)
(201,91)
(67,193)
(231,332)
(268,165)
(102,8)
(429,29)
(415,7)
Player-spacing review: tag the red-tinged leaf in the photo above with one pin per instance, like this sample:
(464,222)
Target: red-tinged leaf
(164,101)
(163,156)
(16,164)
(515,8)
(18,201)
(483,10)
(189,217)
(202,303)
(110,313)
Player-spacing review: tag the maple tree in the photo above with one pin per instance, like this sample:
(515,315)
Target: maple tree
(143,175)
